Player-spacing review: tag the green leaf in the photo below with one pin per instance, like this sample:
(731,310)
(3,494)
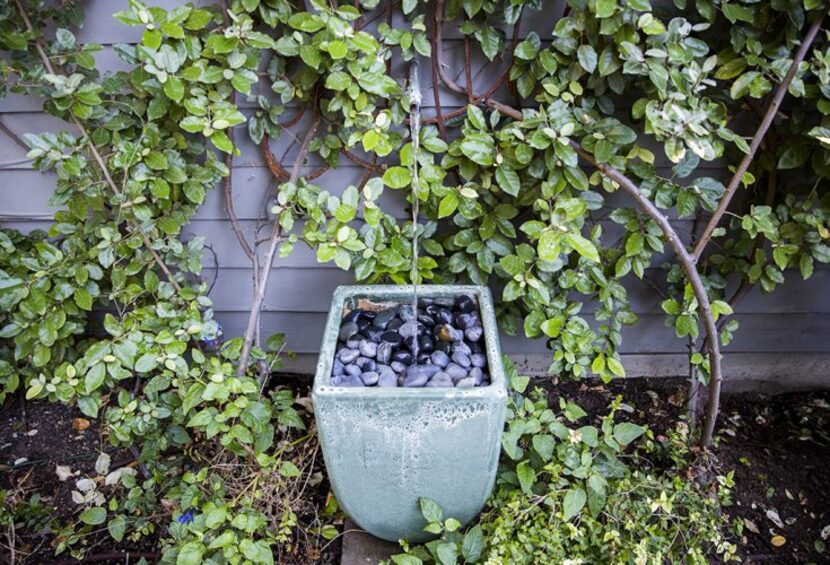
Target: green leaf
(117,527)
(95,377)
(430,510)
(548,245)
(174,89)
(258,552)
(626,432)
(447,553)
(526,475)
(587,58)
(448,205)
(473,544)
(543,444)
(93,516)
(82,298)
(479,148)
(583,246)
(606,8)
(397,177)
(146,363)
(508,180)
(574,502)
(289,469)
(190,553)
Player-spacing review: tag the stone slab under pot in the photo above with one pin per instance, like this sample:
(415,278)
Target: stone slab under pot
(384,448)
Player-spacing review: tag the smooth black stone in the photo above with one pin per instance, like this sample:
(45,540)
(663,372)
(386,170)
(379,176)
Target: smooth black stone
(402,357)
(391,337)
(455,371)
(461,347)
(426,344)
(394,324)
(368,348)
(464,304)
(369,378)
(363,323)
(383,318)
(423,358)
(352,381)
(424,302)
(352,316)
(461,359)
(347,331)
(398,367)
(352,369)
(337,367)
(384,352)
(465,321)
(474,334)
(426,320)
(409,329)
(446,302)
(388,380)
(353,343)
(348,355)
(444,346)
(409,342)
(366,364)
(405,312)
(440,358)
(475,348)
(443,316)
(478,360)
(465,382)
(372,334)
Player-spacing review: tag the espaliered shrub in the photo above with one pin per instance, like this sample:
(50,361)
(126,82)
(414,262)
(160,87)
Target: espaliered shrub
(516,185)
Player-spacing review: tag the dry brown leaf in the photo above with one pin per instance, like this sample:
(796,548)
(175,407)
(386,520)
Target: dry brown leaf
(80,424)
(751,526)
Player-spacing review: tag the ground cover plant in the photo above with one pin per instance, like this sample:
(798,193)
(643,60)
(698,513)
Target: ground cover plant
(548,183)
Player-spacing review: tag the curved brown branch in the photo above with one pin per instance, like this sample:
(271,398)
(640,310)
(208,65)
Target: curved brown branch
(361,162)
(229,206)
(271,160)
(766,122)
(689,267)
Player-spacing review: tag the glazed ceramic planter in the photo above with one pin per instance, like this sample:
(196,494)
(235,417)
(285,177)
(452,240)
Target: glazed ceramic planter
(384,448)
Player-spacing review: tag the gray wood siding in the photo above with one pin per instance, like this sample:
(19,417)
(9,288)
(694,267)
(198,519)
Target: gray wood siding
(792,320)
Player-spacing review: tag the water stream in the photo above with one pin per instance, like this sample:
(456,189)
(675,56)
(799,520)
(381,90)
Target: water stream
(414,131)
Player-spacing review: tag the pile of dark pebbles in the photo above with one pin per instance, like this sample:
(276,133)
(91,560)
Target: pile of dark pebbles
(377,348)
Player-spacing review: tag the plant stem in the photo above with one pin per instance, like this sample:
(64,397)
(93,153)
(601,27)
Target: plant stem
(766,122)
(265,267)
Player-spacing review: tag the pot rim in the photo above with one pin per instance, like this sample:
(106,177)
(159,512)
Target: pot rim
(322,378)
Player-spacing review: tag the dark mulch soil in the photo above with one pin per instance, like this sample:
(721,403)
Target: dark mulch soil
(779,448)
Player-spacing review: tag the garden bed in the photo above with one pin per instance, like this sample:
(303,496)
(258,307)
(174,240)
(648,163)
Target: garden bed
(778,448)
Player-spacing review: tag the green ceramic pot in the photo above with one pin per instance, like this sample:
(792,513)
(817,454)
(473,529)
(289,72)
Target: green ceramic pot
(385,448)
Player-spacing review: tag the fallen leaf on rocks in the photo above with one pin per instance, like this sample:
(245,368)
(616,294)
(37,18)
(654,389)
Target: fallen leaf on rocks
(80,424)
(778,541)
(63,472)
(775,518)
(751,526)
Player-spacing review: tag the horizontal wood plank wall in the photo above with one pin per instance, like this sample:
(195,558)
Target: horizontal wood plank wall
(792,323)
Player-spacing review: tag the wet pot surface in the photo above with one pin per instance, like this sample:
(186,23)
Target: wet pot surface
(385,447)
